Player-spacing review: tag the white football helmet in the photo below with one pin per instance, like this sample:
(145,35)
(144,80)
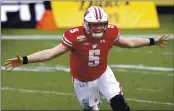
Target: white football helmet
(94,15)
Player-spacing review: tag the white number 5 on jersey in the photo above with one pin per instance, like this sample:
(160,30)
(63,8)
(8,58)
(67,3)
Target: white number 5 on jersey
(74,30)
(94,57)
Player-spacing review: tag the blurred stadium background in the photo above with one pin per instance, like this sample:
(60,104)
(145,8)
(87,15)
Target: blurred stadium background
(146,74)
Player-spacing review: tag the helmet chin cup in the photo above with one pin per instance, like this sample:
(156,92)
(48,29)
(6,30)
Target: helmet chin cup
(97,35)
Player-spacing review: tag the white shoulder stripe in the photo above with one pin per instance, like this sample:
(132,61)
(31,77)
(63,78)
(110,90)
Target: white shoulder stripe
(67,40)
(117,39)
(118,36)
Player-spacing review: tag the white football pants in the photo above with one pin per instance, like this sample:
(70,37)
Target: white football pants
(88,93)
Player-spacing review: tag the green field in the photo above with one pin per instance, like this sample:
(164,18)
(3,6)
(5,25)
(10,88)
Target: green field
(157,85)
(146,74)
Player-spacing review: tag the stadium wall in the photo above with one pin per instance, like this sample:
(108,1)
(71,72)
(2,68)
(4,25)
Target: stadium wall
(27,14)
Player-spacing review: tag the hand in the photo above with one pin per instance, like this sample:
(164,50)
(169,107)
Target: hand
(14,62)
(161,40)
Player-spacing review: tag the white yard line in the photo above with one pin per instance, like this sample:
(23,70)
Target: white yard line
(145,52)
(141,67)
(70,94)
(119,68)
(67,69)
(150,102)
(142,72)
(37,91)
(150,90)
(59,37)
(40,69)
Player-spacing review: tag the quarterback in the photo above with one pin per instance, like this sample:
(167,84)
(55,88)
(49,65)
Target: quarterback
(89,46)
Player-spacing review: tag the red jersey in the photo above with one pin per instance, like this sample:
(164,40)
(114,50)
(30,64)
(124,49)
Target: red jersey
(88,57)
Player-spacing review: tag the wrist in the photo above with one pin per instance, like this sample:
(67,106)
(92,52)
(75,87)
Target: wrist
(25,60)
(152,41)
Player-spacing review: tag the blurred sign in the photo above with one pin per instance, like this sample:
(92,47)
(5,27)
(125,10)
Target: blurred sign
(21,14)
(171,3)
(123,14)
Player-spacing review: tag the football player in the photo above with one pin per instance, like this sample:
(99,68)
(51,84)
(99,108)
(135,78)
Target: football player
(89,46)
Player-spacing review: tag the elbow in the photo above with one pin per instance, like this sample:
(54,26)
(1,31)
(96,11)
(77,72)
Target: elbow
(49,58)
(53,54)
(48,55)
(130,45)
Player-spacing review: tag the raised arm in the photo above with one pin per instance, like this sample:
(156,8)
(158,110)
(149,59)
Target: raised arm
(40,56)
(140,42)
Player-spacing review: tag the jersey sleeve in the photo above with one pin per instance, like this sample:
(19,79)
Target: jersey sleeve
(67,39)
